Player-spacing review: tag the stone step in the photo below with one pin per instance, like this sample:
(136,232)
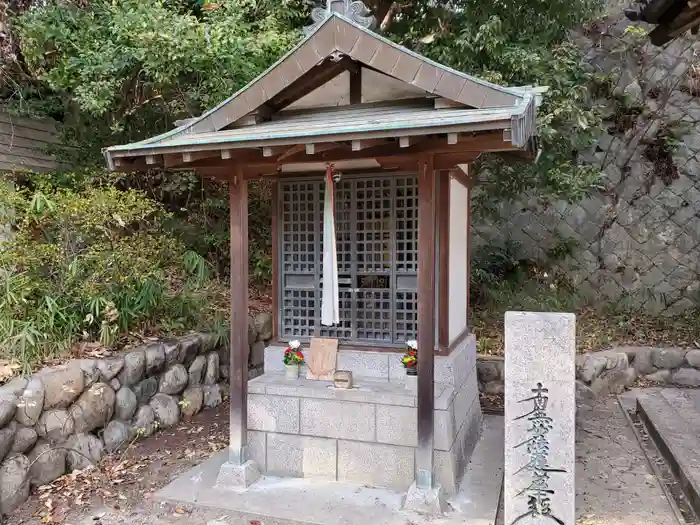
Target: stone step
(672,418)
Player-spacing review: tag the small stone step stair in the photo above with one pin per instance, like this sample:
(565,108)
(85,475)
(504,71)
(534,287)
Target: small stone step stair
(672,419)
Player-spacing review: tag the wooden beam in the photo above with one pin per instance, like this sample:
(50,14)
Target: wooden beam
(274,233)
(446,103)
(315,149)
(314,78)
(469,254)
(444,258)
(359,145)
(356,86)
(291,151)
(238,375)
(272,151)
(426,323)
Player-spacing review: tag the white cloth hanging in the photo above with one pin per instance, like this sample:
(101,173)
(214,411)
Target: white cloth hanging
(330,314)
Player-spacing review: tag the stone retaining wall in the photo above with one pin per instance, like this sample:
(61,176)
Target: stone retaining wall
(610,371)
(66,417)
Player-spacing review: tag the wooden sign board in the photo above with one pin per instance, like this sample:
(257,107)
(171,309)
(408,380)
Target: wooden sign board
(321,359)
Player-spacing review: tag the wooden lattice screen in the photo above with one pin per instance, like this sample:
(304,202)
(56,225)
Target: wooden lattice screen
(377,236)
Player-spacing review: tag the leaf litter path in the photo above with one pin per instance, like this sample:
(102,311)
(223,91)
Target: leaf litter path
(614,485)
(123,484)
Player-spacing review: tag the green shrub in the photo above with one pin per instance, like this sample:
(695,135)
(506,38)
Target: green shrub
(93,265)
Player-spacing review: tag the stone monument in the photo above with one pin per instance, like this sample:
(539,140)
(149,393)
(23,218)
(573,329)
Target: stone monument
(540,410)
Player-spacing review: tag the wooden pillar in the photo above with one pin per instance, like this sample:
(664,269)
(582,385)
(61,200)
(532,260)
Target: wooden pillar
(427,211)
(238,205)
(443,257)
(274,232)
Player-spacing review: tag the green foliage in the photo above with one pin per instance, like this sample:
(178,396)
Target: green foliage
(519,43)
(128,69)
(97,255)
(92,266)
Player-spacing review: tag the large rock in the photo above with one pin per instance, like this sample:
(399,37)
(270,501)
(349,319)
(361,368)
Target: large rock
(93,409)
(145,390)
(85,450)
(48,462)
(7,438)
(660,376)
(144,421)
(114,384)
(30,403)
(192,400)
(263,325)
(211,377)
(25,437)
(173,352)
(668,358)
(584,393)
(190,346)
(212,396)
(134,368)
(591,368)
(62,385)
(693,358)
(196,372)
(125,404)
(155,359)
(91,374)
(257,354)
(166,410)
(173,381)
(209,341)
(14,483)
(643,363)
(595,364)
(686,377)
(613,381)
(55,425)
(14,387)
(252,332)
(117,435)
(8,407)
(110,367)
(487,370)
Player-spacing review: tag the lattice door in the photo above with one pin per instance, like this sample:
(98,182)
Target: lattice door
(376,240)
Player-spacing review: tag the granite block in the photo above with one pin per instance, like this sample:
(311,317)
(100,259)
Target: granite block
(446,474)
(337,419)
(301,456)
(540,381)
(398,426)
(257,448)
(375,464)
(365,364)
(273,359)
(464,399)
(273,413)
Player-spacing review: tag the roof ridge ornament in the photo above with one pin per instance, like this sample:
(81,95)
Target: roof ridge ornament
(354,10)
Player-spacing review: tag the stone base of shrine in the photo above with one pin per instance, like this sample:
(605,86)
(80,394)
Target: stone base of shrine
(368,434)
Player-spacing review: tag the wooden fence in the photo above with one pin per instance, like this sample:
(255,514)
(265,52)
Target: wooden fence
(24,143)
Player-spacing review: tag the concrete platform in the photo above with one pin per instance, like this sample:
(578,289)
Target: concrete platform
(309,501)
(672,418)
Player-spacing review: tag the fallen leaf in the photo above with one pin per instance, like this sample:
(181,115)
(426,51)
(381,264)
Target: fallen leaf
(180,510)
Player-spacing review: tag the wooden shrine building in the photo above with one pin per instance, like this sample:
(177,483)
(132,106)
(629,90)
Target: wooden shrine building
(399,132)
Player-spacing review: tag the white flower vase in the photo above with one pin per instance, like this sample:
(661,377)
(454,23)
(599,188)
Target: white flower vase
(291,371)
(411,383)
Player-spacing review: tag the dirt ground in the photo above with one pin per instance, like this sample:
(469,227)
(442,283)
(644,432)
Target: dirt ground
(613,481)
